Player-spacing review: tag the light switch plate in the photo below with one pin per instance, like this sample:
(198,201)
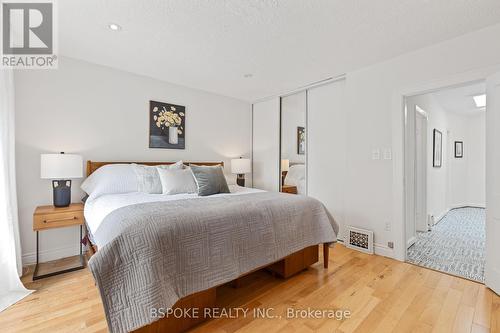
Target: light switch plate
(387,154)
(376,154)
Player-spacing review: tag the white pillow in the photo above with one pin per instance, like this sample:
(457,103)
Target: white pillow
(176,181)
(296,174)
(148,179)
(110,179)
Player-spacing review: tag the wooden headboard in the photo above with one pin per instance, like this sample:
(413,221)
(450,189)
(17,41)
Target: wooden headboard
(93,166)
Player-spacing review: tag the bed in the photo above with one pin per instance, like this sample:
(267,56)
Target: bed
(156,251)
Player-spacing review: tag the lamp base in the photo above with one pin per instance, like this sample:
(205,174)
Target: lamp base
(240,179)
(61,193)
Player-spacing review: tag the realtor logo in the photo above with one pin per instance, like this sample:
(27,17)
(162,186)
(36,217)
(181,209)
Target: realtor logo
(28,32)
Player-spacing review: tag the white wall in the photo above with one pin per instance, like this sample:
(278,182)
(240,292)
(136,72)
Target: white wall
(326,148)
(467,174)
(102,114)
(266,141)
(293,114)
(475,152)
(374,188)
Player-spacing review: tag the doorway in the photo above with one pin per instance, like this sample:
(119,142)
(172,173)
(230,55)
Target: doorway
(445,180)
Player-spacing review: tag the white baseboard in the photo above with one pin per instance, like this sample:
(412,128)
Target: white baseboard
(492,279)
(440,216)
(52,254)
(468,205)
(411,241)
(378,249)
(383,250)
(443,214)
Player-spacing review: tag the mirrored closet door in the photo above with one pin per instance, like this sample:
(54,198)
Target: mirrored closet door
(293,145)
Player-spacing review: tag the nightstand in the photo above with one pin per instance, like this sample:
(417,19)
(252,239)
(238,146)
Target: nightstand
(50,217)
(289,189)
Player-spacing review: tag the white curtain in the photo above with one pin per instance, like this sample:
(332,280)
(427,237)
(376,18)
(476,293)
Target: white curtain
(11,288)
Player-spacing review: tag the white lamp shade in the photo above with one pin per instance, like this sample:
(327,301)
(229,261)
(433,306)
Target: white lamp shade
(61,166)
(241,165)
(285,165)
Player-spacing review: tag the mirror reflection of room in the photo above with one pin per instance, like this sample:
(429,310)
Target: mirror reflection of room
(293,143)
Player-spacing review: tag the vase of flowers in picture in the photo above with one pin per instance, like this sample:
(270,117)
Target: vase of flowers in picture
(173,135)
(169,121)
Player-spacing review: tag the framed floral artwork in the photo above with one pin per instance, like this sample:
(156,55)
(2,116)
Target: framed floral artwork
(167,125)
(301,140)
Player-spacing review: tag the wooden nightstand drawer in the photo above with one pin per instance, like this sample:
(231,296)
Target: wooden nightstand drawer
(47,217)
(57,220)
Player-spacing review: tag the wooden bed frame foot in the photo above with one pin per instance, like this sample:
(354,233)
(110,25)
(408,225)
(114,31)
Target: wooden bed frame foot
(326,254)
(236,283)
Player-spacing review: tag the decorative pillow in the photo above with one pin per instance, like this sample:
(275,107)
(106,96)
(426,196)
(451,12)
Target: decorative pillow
(110,179)
(176,181)
(148,179)
(210,180)
(296,174)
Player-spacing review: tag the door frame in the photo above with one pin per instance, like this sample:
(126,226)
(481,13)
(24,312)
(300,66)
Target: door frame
(492,268)
(419,112)
(399,129)
(414,115)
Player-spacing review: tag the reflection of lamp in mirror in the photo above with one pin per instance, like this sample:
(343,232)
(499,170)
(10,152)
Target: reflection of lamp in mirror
(285,166)
(240,166)
(61,168)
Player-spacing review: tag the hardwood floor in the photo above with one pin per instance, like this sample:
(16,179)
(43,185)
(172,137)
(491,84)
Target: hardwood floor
(383,295)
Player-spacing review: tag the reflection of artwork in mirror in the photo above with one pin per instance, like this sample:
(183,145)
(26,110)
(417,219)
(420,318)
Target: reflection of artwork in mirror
(459,149)
(301,140)
(437,149)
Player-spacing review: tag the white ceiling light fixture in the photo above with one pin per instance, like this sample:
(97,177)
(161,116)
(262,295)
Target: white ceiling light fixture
(114,27)
(480,100)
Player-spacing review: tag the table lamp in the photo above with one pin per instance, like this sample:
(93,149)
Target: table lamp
(240,166)
(61,168)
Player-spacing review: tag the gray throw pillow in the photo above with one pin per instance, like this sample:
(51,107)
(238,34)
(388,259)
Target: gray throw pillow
(210,180)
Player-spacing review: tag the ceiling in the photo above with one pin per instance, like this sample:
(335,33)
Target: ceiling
(459,99)
(284,44)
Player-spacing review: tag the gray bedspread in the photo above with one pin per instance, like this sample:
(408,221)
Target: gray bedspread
(159,252)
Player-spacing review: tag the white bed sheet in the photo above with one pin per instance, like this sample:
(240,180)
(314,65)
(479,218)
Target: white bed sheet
(98,208)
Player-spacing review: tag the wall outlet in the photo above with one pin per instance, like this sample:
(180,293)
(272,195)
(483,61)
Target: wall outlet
(390,245)
(387,226)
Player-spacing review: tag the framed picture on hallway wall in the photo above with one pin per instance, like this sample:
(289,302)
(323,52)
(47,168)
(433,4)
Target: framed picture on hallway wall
(459,149)
(437,151)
